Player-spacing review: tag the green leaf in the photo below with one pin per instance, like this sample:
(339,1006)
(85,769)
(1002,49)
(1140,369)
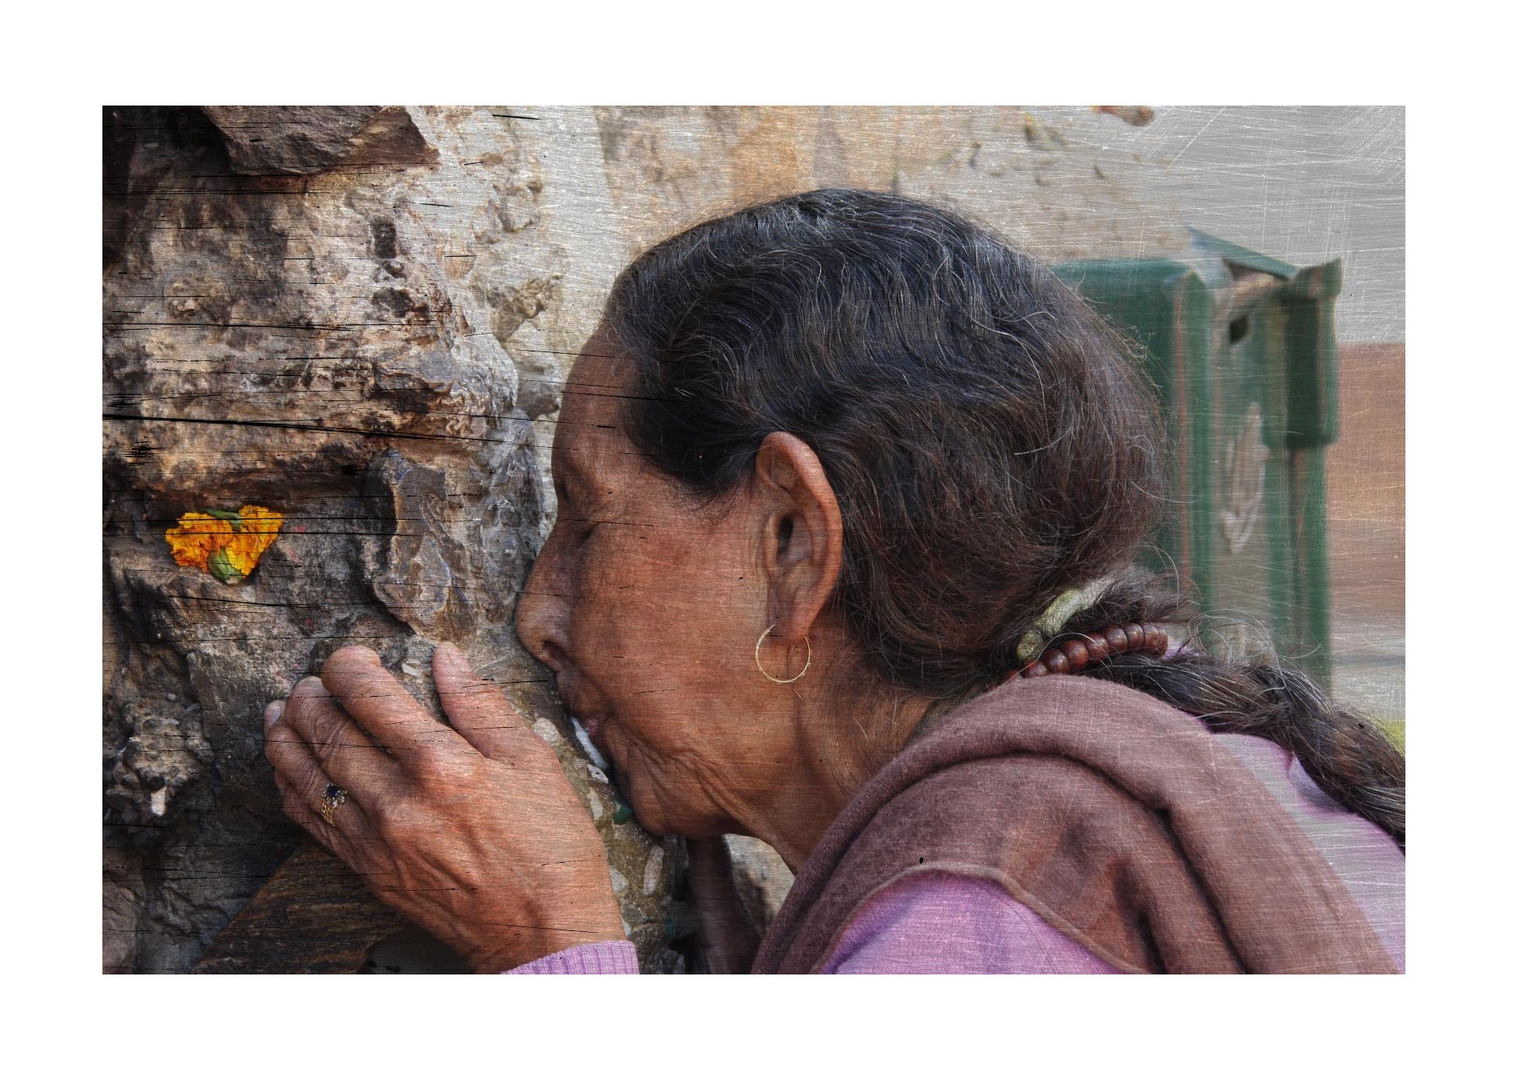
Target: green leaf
(221,566)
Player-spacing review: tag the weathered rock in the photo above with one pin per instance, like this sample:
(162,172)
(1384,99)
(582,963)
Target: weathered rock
(314,915)
(310,139)
(361,318)
(161,757)
(123,896)
(762,879)
(309,346)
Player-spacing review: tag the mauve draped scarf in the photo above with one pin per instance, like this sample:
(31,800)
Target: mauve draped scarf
(1115,817)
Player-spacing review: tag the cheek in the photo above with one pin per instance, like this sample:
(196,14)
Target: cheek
(653,583)
(609,595)
(663,773)
(620,617)
(663,617)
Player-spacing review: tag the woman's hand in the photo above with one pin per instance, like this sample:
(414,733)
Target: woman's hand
(472,831)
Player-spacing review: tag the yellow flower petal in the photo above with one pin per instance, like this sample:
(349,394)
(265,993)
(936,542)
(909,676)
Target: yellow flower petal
(260,527)
(195,537)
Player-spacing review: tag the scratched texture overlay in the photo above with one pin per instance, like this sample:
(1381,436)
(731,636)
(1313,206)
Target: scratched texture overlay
(334,343)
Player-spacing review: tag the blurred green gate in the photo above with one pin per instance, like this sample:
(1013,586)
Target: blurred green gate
(1242,350)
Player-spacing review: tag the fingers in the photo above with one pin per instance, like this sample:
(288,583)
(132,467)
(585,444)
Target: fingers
(303,784)
(344,750)
(477,709)
(356,678)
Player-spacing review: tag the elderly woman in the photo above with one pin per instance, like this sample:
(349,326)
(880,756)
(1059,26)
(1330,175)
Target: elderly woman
(848,494)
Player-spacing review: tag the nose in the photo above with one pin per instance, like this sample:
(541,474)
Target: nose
(541,617)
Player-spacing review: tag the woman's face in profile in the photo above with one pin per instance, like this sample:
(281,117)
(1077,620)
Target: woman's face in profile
(647,608)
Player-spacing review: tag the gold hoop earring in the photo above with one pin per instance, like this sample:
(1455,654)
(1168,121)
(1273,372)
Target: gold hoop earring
(809,654)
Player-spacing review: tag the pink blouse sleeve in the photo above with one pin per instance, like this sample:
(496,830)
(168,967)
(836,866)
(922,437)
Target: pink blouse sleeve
(941,923)
(598,958)
(953,924)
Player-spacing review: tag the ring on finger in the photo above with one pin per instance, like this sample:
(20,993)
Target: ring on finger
(333,798)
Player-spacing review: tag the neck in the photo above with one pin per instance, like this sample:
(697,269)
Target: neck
(839,749)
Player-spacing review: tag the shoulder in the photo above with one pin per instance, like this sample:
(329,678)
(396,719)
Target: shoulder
(1118,820)
(999,791)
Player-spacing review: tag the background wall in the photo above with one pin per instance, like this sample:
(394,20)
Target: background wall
(361,318)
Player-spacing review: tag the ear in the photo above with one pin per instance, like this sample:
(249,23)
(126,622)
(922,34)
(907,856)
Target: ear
(800,524)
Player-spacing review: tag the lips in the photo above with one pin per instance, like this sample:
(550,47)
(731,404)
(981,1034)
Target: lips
(587,732)
(587,717)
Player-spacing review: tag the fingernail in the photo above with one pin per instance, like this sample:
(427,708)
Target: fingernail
(272,713)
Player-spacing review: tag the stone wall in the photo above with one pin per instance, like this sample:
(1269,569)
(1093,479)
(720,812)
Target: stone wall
(360,319)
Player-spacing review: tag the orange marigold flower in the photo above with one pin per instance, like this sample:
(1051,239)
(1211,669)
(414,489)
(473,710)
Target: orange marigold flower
(225,545)
(195,537)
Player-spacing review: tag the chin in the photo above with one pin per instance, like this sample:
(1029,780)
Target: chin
(646,789)
(658,818)
(649,814)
